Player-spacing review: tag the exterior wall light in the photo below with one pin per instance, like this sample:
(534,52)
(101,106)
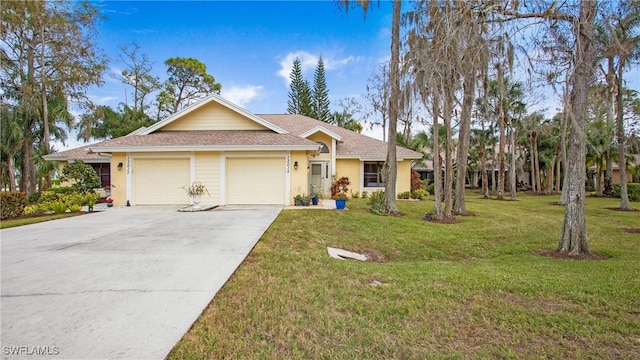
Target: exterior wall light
(295,165)
(120,166)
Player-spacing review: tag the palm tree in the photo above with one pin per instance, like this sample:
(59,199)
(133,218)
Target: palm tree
(11,143)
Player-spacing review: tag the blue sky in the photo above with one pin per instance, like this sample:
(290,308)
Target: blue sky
(249,46)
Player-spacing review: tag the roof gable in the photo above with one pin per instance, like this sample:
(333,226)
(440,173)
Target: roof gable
(323,130)
(212,113)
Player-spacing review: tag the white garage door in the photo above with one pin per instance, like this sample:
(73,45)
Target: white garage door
(160,181)
(255,180)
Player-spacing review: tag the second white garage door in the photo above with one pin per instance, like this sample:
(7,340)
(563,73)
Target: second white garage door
(255,180)
(160,181)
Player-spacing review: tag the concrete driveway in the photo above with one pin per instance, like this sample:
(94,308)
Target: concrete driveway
(123,283)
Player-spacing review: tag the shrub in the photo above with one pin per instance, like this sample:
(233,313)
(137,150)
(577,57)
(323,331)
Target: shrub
(633,190)
(415,180)
(84,177)
(431,189)
(13,204)
(404,195)
(355,195)
(339,188)
(302,200)
(58,207)
(75,208)
(33,197)
(365,195)
(31,209)
(420,194)
(376,200)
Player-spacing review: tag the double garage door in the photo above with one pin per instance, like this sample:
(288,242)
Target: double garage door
(248,181)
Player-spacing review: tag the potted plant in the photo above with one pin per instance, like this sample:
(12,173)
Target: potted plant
(339,190)
(195,192)
(315,194)
(109,201)
(302,200)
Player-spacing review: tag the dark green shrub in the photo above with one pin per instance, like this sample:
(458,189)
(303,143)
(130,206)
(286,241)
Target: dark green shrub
(33,197)
(431,189)
(633,190)
(12,204)
(404,195)
(84,177)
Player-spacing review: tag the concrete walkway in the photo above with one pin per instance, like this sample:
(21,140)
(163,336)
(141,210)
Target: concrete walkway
(125,283)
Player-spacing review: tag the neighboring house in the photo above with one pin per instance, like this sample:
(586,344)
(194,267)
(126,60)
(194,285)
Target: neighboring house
(101,163)
(241,157)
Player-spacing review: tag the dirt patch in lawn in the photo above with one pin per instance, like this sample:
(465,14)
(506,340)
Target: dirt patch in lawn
(619,209)
(631,230)
(558,255)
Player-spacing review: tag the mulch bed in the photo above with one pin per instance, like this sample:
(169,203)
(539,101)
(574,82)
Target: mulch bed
(631,230)
(557,255)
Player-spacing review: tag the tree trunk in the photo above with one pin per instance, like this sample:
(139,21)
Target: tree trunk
(437,170)
(598,179)
(532,161)
(537,162)
(501,126)
(622,161)
(394,78)
(574,240)
(449,100)
(558,174)
(485,176)
(11,169)
(512,167)
(611,88)
(563,143)
(460,206)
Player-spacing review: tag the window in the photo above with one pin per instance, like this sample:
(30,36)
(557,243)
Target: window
(104,172)
(373,174)
(325,149)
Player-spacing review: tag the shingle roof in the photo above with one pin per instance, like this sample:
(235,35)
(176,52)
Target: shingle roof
(205,138)
(352,144)
(79,154)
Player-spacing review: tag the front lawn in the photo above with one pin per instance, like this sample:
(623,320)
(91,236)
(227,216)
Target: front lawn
(28,220)
(475,289)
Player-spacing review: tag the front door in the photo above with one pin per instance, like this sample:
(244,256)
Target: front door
(320,177)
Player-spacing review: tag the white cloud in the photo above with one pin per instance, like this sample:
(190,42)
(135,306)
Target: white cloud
(102,100)
(309,61)
(241,95)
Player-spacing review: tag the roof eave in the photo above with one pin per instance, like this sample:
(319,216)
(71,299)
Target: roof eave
(132,149)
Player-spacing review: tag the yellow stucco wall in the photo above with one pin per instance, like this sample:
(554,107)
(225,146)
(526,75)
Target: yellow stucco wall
(119,179)
(213,116)
(208,173)
(299,178)
(351,169)
(404,176)
(323,138)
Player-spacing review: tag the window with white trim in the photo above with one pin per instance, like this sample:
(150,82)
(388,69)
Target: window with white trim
(373,174)
(324,149)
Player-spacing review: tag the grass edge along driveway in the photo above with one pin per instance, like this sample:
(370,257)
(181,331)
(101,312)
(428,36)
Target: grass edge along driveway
(469,290)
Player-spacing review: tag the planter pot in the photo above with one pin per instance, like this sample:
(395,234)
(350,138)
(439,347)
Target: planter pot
(195,199)
(109,204)
(314,201)
(340,204)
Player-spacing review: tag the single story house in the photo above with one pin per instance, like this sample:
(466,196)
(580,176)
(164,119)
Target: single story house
(241,157)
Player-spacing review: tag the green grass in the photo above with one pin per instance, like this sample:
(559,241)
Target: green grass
(469,290)
(5,224)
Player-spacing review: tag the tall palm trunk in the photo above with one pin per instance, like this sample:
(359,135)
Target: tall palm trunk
(501,127)
(537,162)
(622,162)
(437,169)
(391,164)
(512,167)
(460,206)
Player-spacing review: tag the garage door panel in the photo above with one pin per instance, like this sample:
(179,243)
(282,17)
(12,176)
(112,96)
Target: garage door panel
(160,181)
(255,180)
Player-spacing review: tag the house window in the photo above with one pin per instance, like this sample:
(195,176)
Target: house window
(325,149)
(104,172)
(373,174)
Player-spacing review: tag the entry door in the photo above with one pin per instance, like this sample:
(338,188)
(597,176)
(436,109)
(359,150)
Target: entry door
(320,176)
